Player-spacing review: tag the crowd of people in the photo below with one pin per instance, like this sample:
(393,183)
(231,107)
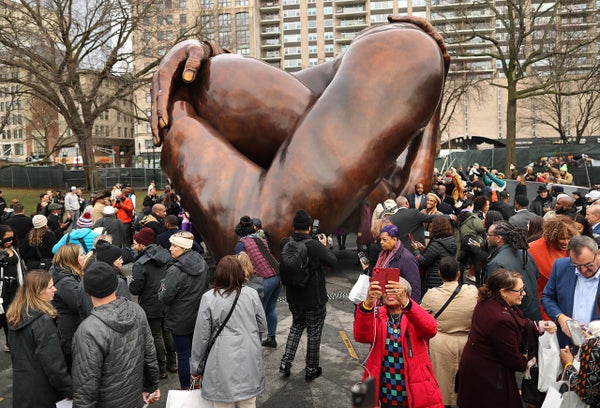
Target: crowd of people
(476,277)
(493,277)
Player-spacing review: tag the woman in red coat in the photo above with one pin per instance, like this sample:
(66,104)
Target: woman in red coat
(493,352)
(399,359)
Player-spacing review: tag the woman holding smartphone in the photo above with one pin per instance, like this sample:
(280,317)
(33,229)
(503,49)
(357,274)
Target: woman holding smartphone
(398,331)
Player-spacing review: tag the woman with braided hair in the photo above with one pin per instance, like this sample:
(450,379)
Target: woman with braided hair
(508,250)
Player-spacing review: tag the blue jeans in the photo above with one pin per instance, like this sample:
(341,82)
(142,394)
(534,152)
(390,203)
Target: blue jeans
(183,345)
(271,291)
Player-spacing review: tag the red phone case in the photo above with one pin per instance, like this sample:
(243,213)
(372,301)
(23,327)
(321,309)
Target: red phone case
(384,275)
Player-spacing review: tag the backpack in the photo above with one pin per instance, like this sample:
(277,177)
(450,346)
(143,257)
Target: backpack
(293,267)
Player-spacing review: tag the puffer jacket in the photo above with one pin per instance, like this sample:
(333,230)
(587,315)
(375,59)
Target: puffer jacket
(417,327)
(181,291)
(430,260)
(149,269)
(70,303)
(114,359)
(40,377)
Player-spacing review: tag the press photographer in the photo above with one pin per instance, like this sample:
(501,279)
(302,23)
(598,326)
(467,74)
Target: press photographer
(11,275)
(124,209)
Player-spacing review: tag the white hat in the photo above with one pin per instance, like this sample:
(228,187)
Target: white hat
(73,188)
(108,210)
(39,221)
(593,195)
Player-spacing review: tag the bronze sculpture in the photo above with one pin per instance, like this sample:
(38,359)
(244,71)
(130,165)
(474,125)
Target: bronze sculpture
(242,137)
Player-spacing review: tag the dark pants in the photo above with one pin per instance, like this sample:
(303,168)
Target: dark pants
(163,341)
(313,320)
(183,345)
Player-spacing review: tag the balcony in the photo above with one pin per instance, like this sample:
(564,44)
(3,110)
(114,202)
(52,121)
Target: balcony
(355,11)
(272,31)
(269,5)
(351,25)
(348,2)
(269,18)
(271,44)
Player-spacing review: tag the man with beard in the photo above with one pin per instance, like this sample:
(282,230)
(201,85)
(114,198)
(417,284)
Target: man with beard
(508,246)
(565,205)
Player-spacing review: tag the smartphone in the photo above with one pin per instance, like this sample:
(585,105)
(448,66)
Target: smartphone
(363,258)
(577,334)
(472,242)
(384,275)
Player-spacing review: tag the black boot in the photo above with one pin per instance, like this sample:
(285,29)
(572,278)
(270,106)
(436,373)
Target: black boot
(270,342)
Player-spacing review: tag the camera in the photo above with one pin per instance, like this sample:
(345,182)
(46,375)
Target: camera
(363,394)
(118,201)
(473,243)
(314,231)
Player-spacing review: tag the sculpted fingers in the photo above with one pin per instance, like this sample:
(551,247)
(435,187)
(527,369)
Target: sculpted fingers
(185,57)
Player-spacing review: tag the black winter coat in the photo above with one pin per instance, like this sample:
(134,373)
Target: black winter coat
(31,255)
(181,291)
(112,225)
(149,269)
(315,292)
(114,359)
(430,260)
(40,377)
(70,303)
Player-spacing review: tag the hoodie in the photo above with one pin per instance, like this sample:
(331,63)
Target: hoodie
(149,269)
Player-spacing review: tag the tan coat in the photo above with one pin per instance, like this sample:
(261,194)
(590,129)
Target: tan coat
(453,329)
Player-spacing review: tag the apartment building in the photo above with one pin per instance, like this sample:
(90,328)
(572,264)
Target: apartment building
(295,34)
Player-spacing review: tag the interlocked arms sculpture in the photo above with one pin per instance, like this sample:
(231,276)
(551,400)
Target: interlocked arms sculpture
(241,137)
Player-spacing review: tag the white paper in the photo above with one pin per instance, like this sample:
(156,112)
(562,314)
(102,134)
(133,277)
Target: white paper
(64,404)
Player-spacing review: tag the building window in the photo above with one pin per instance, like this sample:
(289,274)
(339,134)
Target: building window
(224,21)
(207,4)
(241,2)
(182,4)
(225,38)
(183,19)
(242,38)
(224,3)
(241,20)
(18,149)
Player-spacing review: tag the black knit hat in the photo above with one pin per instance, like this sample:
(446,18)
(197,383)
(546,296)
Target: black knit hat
(302,220)
(107,252)
(100,279)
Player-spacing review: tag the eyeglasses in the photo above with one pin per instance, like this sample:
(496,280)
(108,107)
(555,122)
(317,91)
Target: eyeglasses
(519,291)
(587,266)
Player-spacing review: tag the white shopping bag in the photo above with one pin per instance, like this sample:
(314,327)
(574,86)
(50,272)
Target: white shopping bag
(186,399)
(566,399)
(360,289)
(548,361)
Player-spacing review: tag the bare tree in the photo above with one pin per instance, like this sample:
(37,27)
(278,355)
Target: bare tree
(520,37)
(77,58)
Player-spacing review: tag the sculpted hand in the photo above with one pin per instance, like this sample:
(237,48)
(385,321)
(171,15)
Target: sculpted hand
(190,54)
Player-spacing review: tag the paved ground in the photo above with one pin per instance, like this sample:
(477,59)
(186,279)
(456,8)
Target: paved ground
(340,369)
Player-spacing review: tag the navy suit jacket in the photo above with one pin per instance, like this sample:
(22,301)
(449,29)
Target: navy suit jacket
(559,293)
(412,198)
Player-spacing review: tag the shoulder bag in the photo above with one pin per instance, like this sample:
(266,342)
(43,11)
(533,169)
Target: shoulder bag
(267,255)
(452,296)
(202,365)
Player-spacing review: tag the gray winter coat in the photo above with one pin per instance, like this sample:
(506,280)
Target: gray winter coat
(114,359)
(234,369)
(149,269)
(181,291)
(40,377)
